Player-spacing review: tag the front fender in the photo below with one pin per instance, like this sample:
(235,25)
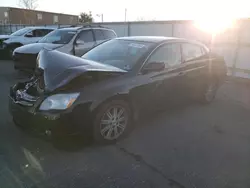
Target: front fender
(13,40)
(10,44)
(121,95)
(118,96)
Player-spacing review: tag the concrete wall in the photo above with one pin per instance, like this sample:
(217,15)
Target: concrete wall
(233,44)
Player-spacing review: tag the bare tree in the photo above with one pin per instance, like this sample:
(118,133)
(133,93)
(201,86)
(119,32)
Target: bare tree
(86,17)
(28,4)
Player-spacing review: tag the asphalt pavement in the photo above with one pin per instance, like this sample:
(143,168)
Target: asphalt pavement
(190,146)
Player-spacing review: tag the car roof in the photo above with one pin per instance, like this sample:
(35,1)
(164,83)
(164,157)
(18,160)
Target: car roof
(154,39)
(41,27)
(157,39)
(69,28)
(83,28)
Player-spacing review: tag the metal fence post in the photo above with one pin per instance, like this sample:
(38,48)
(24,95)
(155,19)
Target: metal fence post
(236,51)
(173,29)
(10,28)
(128,23)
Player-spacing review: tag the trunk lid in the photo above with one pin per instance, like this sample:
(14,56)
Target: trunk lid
(56,69)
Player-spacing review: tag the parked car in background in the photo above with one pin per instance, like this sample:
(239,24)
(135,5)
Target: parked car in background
(27,35)
(102,93)
(74,40)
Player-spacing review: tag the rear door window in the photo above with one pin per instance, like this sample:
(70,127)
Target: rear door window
(41,32)
(191,52)
(86,36)
(46,31)
(108,34)
(170,54)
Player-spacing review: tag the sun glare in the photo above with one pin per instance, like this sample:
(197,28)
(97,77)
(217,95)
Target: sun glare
(214,20)
(214,26)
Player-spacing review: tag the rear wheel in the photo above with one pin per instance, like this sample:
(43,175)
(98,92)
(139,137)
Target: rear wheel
(112,121)
(209,92)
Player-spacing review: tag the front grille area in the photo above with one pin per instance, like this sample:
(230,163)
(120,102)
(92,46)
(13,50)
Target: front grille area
(26,59)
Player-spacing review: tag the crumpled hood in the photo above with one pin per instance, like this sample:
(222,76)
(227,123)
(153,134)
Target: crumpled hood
(35,48)
(58,69)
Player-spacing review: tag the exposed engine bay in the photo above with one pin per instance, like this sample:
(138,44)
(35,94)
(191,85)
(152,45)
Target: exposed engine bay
(26,93)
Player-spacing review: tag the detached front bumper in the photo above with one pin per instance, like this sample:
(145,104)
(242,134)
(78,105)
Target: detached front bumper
(44,124)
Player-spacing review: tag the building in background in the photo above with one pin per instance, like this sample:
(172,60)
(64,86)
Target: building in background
(9,15)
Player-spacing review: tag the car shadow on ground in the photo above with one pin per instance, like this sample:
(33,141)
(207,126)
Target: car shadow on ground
(78,143)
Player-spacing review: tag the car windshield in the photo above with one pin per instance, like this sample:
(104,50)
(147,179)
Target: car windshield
(119,53)
(58,37)
(20,32)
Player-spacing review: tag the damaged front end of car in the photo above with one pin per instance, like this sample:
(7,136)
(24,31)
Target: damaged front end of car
(47,101)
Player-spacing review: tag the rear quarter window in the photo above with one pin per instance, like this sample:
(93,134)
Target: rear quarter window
(109,34)
(99,35)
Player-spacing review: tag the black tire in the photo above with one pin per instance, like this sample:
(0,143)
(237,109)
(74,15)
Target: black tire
(101,111)
(209,91)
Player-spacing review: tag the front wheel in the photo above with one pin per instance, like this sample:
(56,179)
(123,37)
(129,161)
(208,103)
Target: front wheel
(112,121)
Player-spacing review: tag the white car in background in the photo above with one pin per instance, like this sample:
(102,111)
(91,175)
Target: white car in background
(27,35)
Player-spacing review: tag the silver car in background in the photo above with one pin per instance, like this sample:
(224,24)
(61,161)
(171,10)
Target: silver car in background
(72,40)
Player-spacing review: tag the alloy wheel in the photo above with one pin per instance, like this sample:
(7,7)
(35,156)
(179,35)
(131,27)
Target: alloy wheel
(113,122)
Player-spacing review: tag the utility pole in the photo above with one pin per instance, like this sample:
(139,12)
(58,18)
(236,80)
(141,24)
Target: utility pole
(100,15)
(125,14)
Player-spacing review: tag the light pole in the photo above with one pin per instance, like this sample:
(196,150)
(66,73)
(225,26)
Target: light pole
(100,15)
(125,14)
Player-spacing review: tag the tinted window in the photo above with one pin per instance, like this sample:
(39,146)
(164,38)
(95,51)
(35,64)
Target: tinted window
(86,36)
(99,35)
(191,51)
(170,54)
(108,34)
(40,32)
(47,31)
(123,54)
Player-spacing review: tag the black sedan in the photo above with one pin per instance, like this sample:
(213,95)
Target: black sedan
(102,93)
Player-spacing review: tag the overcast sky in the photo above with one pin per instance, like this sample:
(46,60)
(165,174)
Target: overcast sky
(114,10)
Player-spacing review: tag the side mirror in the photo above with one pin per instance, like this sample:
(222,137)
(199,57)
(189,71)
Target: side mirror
(153,67)
(79,42)
(29,35)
